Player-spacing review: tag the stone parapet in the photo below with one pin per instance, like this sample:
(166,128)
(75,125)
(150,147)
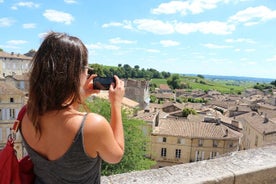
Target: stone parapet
(255,166)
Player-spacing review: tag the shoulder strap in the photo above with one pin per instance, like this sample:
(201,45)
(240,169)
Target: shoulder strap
(20,116)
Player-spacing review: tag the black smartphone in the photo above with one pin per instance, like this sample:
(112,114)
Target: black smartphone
(103,83)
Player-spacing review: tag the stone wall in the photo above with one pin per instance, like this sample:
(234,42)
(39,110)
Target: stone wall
(255,166)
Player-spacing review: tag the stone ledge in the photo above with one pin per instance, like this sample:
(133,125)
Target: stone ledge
(255,166)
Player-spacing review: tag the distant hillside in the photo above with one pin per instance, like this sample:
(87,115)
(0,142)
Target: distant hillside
(223,86)
(235,78)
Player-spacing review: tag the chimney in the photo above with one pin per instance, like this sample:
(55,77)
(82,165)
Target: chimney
(235,123)
(226,133)
(265,119)
(156,123)
(218,121)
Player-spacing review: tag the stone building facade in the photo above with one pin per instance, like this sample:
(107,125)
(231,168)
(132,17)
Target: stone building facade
(180,140)
(11,63)
(11,101)
(138,90)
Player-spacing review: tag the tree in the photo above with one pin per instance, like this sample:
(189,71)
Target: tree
(174,81)
(273,83)
(1,50)
(135,142)
(187,111)
(98,69)
(200,76)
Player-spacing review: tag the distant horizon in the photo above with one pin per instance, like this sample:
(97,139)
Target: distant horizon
(218,37)
(248,78)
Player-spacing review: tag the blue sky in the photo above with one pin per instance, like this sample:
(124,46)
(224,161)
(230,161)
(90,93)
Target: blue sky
(218,37)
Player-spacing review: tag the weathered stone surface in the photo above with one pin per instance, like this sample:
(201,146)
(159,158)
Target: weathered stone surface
(256,166)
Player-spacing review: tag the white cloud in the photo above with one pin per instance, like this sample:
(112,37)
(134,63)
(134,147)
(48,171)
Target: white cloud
(99,45)
(250,50)
(162,28)
(169,43)
(6,22)
(42,35)
(272,59)
(120,41)
(211,27)
(16,42)
(215,46)
(240,40)
(29,26)
(154,26)
(251,62)
(28,4)
(125,24)
(152,50)
(1,1)
(70,1)
(253,15)
(183,7)
(58,16)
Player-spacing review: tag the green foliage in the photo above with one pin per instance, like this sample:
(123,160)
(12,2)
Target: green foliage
(187,111)
(174,81)
(200,76)
(1,50)
(126,71)
(192,83)
(135,142)
(153,98)
(273,83)
(263,86)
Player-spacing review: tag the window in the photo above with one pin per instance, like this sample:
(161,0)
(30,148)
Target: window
(213,154)
(215,143)
(8,132)
(163,152)
(1,136)
(12,113)
(230,144)
(200,142)
(178,153)
(199,155)
(256,140)
(164,139)
(11,100)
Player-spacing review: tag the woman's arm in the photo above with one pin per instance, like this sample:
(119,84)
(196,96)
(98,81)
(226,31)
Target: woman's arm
(103,138)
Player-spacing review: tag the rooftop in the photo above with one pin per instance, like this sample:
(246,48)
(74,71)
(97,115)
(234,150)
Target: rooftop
(14,56)
(186,128)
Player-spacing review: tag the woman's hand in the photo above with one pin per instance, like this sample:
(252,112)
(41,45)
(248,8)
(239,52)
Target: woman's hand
(88,86)
(116,93)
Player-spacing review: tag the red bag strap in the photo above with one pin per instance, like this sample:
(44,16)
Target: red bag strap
(20,116)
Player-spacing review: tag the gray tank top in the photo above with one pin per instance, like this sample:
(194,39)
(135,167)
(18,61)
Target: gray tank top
(75,166)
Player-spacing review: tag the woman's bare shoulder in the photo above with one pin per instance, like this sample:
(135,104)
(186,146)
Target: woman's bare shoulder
(95,123)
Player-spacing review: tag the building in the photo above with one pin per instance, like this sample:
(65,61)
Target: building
(257,131)
(11,63)
(11,101)
(180,140)
(138,90)
(21,82)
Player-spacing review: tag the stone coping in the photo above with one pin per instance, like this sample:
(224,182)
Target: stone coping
(255,166)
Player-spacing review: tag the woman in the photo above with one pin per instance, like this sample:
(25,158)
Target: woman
(65,144)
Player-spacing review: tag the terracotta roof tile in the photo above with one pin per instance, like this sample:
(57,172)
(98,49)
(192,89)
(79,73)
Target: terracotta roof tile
(6,88)
(185,128)
(17,56)
(258,122)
